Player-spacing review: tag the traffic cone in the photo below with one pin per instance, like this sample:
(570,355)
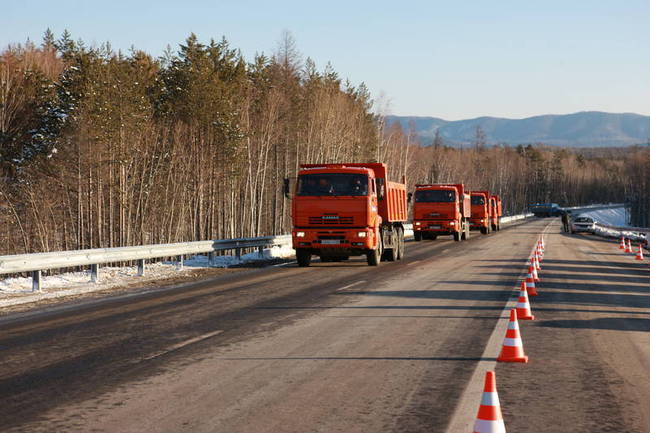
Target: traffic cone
(530,289)
(537,265)
(513,348)
(622,245)
(529,285)
(489,418)
(639,254)
(533,272)
(523,306)
(628,248)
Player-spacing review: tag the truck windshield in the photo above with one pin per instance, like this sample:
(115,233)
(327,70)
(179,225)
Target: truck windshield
(478,199)
(333,184)
(435,196)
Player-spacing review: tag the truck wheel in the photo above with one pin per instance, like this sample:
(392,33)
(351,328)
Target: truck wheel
(457,236)
(402,247)
(373,257)
(484,230)
(433,237)
(417,236)
(303,257)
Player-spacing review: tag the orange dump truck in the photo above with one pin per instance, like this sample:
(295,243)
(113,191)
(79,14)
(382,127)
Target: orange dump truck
(441,209)
(343,210)
(481,211)
(496,211)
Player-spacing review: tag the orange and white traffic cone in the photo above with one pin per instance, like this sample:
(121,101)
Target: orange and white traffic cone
(622,245)
(639,254)
(628,248)
(536,260)
(523,306)
(489,418)
(513,348)
(532,271)
(529,286)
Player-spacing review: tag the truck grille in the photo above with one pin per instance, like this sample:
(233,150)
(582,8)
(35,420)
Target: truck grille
(331,220)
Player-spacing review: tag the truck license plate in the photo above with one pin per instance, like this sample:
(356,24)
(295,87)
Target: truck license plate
(330,241)
(434,227)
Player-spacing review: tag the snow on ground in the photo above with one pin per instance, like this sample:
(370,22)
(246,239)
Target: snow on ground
(611,217)
(14,291)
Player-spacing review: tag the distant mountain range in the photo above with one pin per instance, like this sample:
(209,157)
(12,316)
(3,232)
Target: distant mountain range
(584,129)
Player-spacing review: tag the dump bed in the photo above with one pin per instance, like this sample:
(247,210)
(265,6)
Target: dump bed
(499,206)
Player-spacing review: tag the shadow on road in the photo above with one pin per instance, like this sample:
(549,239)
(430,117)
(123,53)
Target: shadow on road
(614,323)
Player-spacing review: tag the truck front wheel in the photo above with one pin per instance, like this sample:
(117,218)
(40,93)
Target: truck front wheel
(484,230)
(373,257)
(457,236)
(417,236)
(303,257)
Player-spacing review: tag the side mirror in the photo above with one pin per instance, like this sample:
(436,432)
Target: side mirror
(409,196)
(286,188)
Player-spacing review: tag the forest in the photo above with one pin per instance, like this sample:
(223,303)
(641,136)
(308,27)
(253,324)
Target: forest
(100,148)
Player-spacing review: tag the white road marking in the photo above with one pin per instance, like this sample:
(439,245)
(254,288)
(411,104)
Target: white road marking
(351,285)
(183,344)
(283,264)
(414,262)
(444,251)
(462,420)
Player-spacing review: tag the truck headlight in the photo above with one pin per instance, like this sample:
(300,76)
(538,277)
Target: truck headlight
(300,234)
(417,223)
(362,234)
(453,223)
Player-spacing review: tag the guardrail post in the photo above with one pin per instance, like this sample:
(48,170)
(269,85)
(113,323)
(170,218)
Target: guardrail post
(94,273)
(179,264)
(141,268)
(260,251)
(36,281)
(238,253)
(211,258)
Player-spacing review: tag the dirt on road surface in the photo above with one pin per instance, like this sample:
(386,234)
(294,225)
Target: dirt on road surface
(341,347)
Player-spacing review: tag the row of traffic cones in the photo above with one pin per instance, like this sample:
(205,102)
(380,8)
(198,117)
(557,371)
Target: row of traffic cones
(489,418)
(627,247)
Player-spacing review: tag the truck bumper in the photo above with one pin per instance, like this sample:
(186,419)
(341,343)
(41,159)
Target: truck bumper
(441,227)
(335,241)
(478,223)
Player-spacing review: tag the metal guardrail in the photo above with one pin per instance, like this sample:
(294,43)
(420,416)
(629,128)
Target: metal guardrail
(512,218)
(35,263)
(596,206)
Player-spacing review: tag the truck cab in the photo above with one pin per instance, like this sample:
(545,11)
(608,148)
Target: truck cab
(441,209)
(481,211)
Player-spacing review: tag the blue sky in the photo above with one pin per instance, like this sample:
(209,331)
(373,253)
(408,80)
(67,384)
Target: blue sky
(453,60)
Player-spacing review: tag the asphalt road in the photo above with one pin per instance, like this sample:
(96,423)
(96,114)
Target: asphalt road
(342,347)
